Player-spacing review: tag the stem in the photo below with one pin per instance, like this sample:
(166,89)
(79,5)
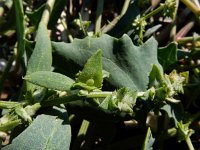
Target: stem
(20,23)
(176,10)
(5,72)
(81,134)
(83,128)
(192,7)
(152,13)
(189,143)
(125,7)
(174,26)
(99,16)
(116,19)
(141,36)
(82,25)
(61,100)
(149,15)
(173,31)
(187,40)
(47,11)
(157,10)
(98,94)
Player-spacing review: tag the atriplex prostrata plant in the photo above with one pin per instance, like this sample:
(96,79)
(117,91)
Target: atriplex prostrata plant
(87,87)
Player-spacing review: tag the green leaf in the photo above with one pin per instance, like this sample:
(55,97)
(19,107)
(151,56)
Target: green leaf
(48,131)
(51,80)
(41,58)
(167,56)
(91,75)
(128,65)
(149,140)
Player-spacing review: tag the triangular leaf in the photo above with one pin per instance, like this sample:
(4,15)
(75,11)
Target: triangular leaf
(128,65)
(91,74)
(46,132)
(41,58)
(51,80)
